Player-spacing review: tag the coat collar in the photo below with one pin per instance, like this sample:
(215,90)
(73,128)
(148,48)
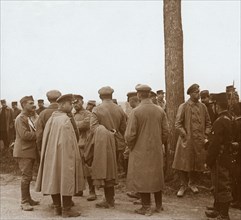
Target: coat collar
(146,101)
(190,102)
(53,105)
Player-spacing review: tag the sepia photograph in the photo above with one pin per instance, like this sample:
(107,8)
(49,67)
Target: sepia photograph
(120,109)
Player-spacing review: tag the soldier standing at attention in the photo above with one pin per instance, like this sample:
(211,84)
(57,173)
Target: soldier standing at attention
(25,150)
(219,159)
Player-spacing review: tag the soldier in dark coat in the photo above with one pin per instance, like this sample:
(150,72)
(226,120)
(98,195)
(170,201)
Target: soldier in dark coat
(205,99)
(44,116)
(236,170)
(40,106)
(16,112)
(6,123)
(25,150)
(107,119)
(219,159)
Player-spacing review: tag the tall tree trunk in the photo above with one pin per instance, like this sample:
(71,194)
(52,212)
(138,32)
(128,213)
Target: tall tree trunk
(173,37)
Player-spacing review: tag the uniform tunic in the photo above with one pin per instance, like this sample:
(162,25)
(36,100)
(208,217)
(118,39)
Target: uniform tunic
(147,129)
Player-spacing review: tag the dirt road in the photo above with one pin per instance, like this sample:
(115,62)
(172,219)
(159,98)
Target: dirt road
(190,207)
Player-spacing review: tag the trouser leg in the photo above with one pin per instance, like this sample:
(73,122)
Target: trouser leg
(56,199)
(26,167)
(183,178)
(146,199)
(109,194)
(91,186)
(224,209)
(193,177)
(158,199)
(67,200)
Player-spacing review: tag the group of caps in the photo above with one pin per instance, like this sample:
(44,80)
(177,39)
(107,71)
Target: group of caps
(222,97)
(53,95)
(107,90)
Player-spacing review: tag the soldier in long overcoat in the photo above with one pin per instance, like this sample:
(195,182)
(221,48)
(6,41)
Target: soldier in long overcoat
(219,159)
(193,125)
(107,119)
(147,129)
(60,171)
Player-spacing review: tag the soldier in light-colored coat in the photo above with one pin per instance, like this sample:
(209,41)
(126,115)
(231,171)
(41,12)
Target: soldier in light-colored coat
(147,129)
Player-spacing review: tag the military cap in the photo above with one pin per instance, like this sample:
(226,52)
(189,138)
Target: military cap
(192,88)
(211,96)
(91,102)
(3,101)
(158,92)
(25,99)
(65,98)
(230,88)
(131,94)
(220,98)
(107,90)
(14,103)
(77,97)
(53,94)
(142,87)
(153,94)
(40,101)
(204,93)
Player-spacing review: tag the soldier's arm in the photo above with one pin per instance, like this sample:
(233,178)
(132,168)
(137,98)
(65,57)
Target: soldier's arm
(22,128)
(131,131)
(215,143)
(84,124)
(39,132)
(94,123)
(180,121)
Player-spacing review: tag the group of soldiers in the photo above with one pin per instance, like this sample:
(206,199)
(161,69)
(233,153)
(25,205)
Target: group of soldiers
(75,144)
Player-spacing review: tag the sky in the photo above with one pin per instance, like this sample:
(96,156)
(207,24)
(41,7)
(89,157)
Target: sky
(79,46)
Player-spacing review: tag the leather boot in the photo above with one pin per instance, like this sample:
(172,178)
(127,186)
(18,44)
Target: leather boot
(67,212)
(158,201)
(25,205)
(57,210)
(92,196)
(223,211)
(144,210)
(212,212)
(24,193)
